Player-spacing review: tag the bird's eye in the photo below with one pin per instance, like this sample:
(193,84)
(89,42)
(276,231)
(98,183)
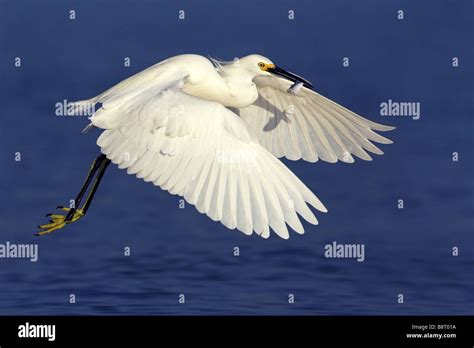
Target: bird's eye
(261,64)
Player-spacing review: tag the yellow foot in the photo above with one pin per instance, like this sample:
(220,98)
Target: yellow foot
(58,221)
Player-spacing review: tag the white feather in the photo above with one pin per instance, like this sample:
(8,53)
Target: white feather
(318,127)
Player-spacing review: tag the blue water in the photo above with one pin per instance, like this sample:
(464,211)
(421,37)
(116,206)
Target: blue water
(174,250)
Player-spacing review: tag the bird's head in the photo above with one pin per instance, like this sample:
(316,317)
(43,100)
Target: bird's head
(262,66)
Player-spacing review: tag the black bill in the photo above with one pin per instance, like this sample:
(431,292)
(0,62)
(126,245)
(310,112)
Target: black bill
(290,76)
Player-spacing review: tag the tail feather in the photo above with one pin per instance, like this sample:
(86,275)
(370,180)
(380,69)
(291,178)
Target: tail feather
(88,128)
(84,108)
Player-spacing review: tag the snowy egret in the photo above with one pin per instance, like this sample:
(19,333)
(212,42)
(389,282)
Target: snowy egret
(213,131)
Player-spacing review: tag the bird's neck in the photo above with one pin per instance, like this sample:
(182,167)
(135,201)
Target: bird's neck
(231,88)
(234,71)
(239,83)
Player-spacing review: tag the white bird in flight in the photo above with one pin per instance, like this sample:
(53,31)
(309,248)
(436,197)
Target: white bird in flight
(212,132)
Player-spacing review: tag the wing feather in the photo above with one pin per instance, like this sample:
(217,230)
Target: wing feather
(318,127)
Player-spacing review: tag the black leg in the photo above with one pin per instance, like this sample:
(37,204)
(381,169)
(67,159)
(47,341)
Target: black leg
(103,167)
(58,221)
(94,167)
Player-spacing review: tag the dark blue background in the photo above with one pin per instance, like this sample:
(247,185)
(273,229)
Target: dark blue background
(181,251)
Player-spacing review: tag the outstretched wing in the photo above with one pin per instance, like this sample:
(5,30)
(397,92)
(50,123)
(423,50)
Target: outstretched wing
(309,126)
(204,152)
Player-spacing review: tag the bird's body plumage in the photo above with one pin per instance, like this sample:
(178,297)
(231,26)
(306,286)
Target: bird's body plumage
(212,134)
